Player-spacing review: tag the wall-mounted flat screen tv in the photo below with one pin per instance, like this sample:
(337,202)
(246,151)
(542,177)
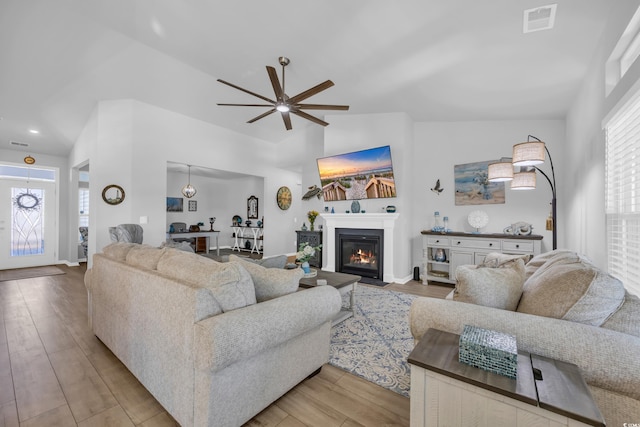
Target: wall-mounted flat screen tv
(366,174)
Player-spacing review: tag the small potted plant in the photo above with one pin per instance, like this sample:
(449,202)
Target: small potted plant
(304,254)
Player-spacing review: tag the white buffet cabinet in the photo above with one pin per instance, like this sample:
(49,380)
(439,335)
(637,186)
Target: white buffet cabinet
(468,248)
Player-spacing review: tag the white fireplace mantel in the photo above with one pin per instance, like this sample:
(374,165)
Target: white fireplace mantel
(376,221)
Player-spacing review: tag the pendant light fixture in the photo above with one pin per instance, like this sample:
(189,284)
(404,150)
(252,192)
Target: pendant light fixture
(189,190)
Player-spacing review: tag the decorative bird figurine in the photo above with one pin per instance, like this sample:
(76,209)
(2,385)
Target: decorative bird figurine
(313,191)
(437,188)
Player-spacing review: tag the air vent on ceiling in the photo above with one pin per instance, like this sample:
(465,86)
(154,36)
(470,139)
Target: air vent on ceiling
(19,144)
(539,18)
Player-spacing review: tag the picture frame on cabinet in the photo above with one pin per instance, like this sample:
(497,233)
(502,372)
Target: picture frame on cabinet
(193,206)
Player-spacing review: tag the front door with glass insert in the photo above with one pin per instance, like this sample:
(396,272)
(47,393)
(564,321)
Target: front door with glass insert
(27,223)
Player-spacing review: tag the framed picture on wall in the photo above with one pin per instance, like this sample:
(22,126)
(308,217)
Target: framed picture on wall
(193,206)
(252,207)
(174,204)
(473,186)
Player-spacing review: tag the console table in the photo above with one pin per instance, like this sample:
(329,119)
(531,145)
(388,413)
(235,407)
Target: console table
(468,248)
(446,392)
(193,234)
(255,237)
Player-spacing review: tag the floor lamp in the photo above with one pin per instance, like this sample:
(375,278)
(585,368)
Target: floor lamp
(526,155)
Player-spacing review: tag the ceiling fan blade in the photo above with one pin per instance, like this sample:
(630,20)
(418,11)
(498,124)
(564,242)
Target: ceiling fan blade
(310,117)
(287,119)
(255,119)
(246,105)
(247,91)
(322,107)
(277,89)
(310,92)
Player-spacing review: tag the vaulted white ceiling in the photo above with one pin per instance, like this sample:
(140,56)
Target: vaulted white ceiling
(433,59)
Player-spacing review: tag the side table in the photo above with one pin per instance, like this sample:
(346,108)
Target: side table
(445,392)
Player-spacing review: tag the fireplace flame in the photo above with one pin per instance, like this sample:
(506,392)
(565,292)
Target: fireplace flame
(363,257)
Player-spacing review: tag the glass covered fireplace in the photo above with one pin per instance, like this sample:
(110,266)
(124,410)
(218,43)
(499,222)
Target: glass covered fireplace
(359,251)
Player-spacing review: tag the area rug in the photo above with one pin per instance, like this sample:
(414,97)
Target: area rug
(27,273)
(375,343)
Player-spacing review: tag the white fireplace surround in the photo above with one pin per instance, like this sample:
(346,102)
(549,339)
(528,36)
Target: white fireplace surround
(377,221)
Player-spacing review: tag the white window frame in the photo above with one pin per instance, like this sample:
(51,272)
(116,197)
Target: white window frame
(622,193)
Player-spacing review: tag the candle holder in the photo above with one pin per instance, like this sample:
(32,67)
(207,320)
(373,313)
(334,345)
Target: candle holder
(211,221)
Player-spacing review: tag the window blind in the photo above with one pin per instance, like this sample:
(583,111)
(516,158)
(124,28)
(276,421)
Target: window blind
(622,198)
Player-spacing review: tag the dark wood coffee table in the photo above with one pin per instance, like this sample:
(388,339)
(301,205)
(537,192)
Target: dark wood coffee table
(343,283)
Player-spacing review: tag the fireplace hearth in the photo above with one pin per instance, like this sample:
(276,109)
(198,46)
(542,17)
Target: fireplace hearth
(360,251)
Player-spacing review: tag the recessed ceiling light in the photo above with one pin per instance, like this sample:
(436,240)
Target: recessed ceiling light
(34,131)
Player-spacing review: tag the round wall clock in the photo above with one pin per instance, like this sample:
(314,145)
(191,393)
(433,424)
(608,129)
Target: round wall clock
(284,198)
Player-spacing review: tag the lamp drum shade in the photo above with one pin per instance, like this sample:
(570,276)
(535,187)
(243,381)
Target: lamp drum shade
(500,171)
(524,181)
(528,153)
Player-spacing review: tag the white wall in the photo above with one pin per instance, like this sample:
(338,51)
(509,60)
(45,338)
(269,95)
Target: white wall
(439,146)
(130,147)
(584,169)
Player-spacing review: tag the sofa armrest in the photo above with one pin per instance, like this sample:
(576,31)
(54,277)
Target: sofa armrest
(607,359)
(240,334)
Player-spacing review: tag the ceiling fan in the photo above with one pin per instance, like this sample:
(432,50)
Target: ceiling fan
(285,104)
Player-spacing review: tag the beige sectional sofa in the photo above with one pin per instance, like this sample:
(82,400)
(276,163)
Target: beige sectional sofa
(565,308)
(195,335)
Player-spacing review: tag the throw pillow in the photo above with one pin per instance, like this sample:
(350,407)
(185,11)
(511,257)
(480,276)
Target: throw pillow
(498,259)
(144,256)
(491,287)
(569,287)
(229,284)
(270,282)
(627,318)
(541,259)
(118,251)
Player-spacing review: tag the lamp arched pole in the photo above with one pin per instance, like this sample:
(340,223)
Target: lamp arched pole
(552,184)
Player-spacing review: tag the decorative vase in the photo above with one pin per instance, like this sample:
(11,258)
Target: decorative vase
(440,255)
(355,206)
(311,225)
(304,227)
(306,268)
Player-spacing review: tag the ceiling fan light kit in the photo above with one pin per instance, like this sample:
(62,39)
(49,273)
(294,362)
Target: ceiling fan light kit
(285,104)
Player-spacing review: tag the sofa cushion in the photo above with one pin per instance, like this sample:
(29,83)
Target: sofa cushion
(569,287)
(498,259)
(229,284)
(492,287)
(270,282)
(541,259)
(144,256)
(118,251)
(627,318)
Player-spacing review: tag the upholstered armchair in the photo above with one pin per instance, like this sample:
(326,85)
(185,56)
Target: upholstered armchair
(129,233)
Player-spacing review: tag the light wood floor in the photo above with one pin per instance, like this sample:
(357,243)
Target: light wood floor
(55,372)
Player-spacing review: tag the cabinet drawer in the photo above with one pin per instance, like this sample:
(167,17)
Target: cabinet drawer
(517,246)
(437,241)
(476,244)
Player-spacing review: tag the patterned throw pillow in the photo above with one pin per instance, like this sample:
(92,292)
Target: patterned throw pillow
(270,282)
(491,287)
(498,259)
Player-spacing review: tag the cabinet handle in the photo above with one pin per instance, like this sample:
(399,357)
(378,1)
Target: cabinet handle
(517,246)
(490,244)
(458,243)
(437,241)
